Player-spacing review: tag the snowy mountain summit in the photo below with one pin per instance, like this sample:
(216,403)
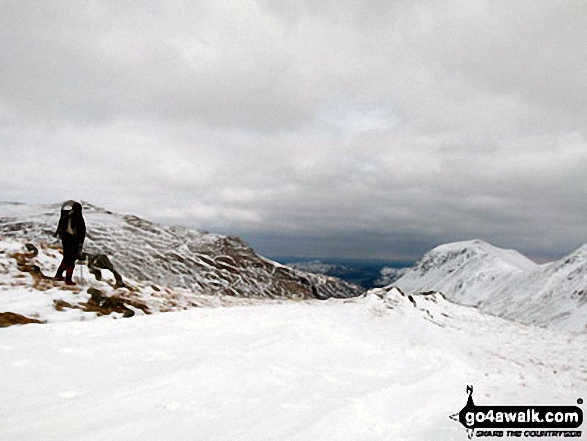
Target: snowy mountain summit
(163,267)
(506,283)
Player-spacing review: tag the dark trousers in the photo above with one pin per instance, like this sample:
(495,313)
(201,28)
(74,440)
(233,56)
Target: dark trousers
(70,249)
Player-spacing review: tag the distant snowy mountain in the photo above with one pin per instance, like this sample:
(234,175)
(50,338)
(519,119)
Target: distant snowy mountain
(167,263)
(314,266)
(505,283)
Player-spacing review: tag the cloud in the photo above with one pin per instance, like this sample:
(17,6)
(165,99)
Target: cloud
(350,128)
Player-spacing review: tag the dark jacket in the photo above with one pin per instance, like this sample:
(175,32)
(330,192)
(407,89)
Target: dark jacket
(77,225)
(72,232)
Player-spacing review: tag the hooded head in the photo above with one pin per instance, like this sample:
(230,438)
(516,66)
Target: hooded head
(77,207)
(67,205)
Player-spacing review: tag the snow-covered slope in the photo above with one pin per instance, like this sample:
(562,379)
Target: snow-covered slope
(388,275)
(173,256)
(505,283)
(366,369)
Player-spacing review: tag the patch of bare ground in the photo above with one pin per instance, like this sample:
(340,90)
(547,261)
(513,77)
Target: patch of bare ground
(10,318)
(26,264)
(104,305)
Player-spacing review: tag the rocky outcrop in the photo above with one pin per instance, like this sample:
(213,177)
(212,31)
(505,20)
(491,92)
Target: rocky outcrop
(26,264)
(98,262)
(102,304)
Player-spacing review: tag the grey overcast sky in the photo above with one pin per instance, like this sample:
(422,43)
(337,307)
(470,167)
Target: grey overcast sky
(347,128)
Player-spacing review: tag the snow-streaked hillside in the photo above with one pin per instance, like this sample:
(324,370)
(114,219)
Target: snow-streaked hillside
(172,256)
(27,293)
(370,368)
(505,283)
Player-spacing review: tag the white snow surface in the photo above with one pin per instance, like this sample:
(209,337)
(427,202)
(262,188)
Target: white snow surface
(505,283)
(370,368)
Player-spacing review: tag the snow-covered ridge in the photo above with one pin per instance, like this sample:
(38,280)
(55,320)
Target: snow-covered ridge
(466,250)
(505,283)
(159,257)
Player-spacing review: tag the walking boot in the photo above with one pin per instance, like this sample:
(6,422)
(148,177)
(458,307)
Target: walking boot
(59,273)
(69,275)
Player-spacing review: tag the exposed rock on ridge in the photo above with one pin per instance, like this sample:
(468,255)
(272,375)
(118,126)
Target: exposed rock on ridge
(174,256)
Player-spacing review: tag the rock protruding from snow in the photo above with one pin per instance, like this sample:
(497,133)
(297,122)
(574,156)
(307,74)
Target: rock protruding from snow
(431,306)
(505,283)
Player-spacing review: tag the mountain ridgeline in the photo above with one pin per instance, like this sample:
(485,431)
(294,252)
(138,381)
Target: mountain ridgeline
(181,257)
(171,268)
(505,283)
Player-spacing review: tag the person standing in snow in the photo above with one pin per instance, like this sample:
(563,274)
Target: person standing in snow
(72,232)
